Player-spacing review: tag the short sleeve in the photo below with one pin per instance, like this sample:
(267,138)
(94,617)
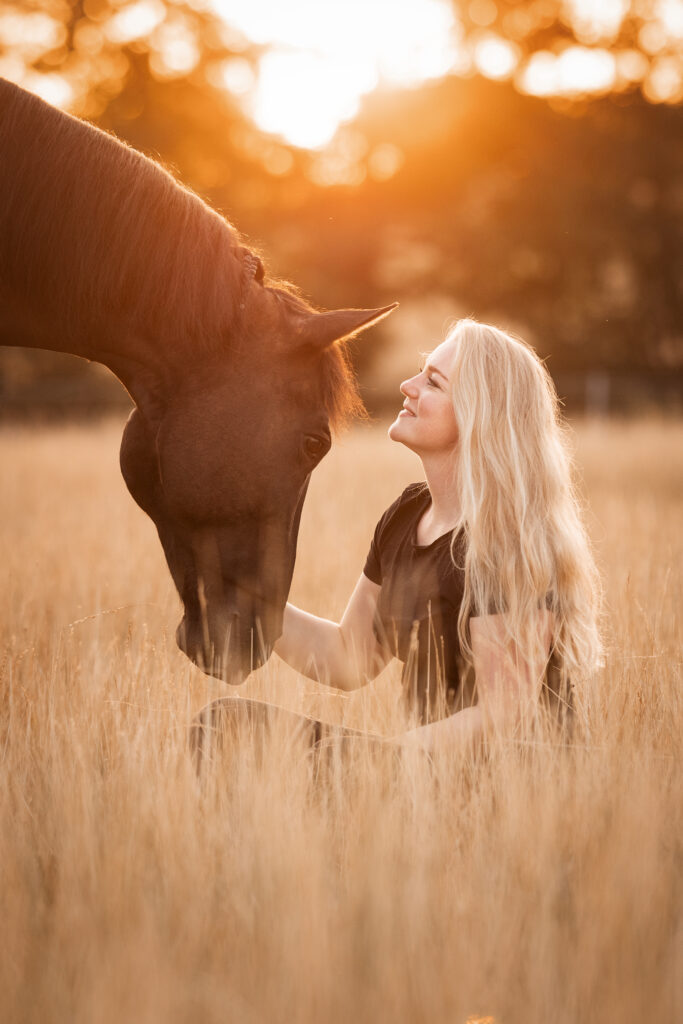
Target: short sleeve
(373,563)
(373,566)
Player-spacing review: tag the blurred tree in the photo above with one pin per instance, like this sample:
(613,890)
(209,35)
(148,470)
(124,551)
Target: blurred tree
(568,226)
(623,43)
(156,72)
(560,213)
(547,24)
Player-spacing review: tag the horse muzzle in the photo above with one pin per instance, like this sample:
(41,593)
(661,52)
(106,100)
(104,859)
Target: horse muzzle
(228,647)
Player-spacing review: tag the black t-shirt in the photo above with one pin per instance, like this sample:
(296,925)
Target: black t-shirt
(417,610)
(418,606)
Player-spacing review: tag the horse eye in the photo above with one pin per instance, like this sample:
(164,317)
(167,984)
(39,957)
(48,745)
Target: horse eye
(315,447)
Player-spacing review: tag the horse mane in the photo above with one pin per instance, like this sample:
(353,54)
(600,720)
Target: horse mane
(102,233)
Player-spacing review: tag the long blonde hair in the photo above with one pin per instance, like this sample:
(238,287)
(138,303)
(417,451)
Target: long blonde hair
(527,546)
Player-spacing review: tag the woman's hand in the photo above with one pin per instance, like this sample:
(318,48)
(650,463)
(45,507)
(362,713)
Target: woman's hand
(462,730)
(415,739)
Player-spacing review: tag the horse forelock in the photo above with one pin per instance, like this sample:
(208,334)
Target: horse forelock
(339,387)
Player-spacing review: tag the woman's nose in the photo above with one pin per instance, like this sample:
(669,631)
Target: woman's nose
(408,387)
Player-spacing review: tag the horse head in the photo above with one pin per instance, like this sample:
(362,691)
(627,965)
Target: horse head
(237,383)
(220,454)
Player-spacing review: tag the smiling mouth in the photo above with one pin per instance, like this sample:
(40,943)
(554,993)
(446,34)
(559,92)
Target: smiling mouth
(406,412)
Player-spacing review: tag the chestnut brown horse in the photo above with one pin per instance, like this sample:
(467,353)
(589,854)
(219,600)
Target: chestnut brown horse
(237,382)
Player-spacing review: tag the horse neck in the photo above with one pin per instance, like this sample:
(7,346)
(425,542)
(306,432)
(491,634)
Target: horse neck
(142,370)
(49,242)
(24,325)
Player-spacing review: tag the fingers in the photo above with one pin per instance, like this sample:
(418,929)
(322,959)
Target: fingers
(226,725)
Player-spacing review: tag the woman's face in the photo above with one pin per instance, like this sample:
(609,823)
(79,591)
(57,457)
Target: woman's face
(426,423)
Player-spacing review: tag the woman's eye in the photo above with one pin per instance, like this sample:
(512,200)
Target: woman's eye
(315,447)
(432,383)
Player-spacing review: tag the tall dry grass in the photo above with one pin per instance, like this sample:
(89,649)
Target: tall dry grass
(541,886)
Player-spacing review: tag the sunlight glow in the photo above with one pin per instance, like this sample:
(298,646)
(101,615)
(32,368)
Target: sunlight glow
(326,56)
(237,76)
(576,71)
(305,96)
(495,57)
(596,22)
(670,13)
(135,21)
(53,88)
(385,160)
(318,59)
(652,37)
(30,34)
(632,65)
(664,83)
(175,49)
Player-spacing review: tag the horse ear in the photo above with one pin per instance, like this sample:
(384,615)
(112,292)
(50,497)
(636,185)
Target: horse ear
(319,330)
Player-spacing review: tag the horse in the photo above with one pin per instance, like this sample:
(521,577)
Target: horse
(237,381)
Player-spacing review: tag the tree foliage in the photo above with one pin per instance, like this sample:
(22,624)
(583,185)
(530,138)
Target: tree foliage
(560,215)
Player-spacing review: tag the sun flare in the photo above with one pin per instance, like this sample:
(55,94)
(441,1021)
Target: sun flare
(325,57)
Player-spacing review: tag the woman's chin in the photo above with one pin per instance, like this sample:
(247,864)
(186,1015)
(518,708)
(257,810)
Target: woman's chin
(397,432)
(394,431)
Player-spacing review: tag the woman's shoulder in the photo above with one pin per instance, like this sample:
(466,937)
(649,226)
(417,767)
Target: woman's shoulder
(395,523)
(412,495)
(414,490)
(411,499)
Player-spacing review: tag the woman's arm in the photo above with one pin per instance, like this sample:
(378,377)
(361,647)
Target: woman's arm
(464,729)
(508,682)
(508,679)
(343,654)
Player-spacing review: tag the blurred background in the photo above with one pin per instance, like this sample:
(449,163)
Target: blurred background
(520,162)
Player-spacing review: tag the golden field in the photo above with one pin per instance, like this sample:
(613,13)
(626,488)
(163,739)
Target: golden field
(540,886)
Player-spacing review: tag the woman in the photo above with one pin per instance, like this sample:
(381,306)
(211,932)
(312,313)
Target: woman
(480,580)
